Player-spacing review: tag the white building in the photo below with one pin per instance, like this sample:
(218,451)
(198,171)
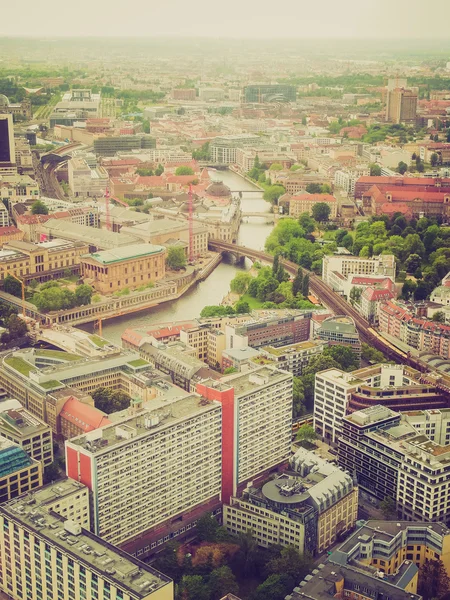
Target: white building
(80,100)
(211,94)
(85,180)
(346,178)
(44,555)
(336,268)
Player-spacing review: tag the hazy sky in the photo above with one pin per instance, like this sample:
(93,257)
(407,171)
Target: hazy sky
(228,18)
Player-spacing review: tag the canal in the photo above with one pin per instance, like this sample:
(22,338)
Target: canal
(253,233)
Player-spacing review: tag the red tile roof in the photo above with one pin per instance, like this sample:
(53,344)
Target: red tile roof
(9,230)
(84,416)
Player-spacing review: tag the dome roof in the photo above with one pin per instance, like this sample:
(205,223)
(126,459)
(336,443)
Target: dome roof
(218,188)
(4,100)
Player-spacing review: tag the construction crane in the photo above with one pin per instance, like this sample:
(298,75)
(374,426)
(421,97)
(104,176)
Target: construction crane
(23,292)
(108,214)
(191,225)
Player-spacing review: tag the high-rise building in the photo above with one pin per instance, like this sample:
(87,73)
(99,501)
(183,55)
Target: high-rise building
(44,555)
(401,105)
(7,145)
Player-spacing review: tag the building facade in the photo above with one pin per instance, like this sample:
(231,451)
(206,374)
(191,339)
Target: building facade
(31,434)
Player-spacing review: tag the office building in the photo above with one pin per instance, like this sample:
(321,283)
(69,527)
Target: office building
(293,357)
(310,508)
(395,386)
(86,180)
(340,330)
(338,267)
(272,329)
(223,148)
(7,145)
(211,94)
(28,432)
(45,555)
(263,93)
(19,473)
(187,94)
(390,458)
(109,145)
(82,101)
(401,105)
(128,267)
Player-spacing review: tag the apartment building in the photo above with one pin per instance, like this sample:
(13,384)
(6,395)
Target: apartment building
(346,179)
(310,508)
(344,265)
(396,386)
(223,148)
(18,188)
(289,327)
(401,105)
(303,203)
(87,180)
(132,266)
(19,473)
(44,556)
(293,357)
(392,459)
(180,438)
(257,422)
(31,434)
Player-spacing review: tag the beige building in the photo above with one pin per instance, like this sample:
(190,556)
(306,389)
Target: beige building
(216,344)
(401,105)
(42,261)
(19,474)
(44,555)
(308,510)
(31,434)
(305,202)
(128,267)
(18,188)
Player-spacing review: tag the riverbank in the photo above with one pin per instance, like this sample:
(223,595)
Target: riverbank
(233,168)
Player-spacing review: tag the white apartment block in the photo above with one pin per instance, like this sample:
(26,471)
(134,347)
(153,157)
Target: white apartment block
(150,466)
(85,180)
(44,556)
(336,265)
(4,217)
(347,178)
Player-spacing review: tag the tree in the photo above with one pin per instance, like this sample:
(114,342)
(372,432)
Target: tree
(439,316)
(222,582)
(291,563)
(192,587)
(408,288)
(159,170)
(402,167)
(420,166)
(242,307)
(240,283)
(275,264)
(281,275)
(305,286)
(434,159)
(412,263)
(176,258)
(389,508)
(433,580)
(230,370)
(17,327)
(109,401)
(12,286)
(167,560)
(83,294)
(355,294)
(275,587)
(298,397)
(371,355)
(306,433)
(207,527)
(314,188)
(375,170)
(273,192)
(297,284)
(344,356)
(276,167)
(39,208)
(51,473)
(306,222)
(184,170)
(321,212)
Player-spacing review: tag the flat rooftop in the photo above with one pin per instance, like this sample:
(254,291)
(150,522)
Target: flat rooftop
(292,348)
(20,422)
(259,378)
(163,413)
(108,257)
(86,548)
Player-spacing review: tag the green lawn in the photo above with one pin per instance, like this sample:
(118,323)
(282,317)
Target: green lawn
(139,362)
(98,341)
(20,365)
(58,354)
(48,385)
(252,302)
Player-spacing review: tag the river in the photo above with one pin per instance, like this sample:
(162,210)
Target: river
(253,233)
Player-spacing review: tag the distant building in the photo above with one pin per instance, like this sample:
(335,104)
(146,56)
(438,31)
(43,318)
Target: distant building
(223,148)
(305,202)
(19,473)
(336,268)
(109,145)
(31,434)
(267,93)
(341,331)
(184,94)
(211,94)
(7,145)
(82,100)
(401,105)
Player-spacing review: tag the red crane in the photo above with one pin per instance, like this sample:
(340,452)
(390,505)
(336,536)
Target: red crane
(108,214)
(191,225)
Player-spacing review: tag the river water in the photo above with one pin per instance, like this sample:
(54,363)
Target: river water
(253,233)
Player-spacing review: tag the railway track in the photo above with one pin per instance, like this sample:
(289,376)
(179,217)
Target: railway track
(331,299)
